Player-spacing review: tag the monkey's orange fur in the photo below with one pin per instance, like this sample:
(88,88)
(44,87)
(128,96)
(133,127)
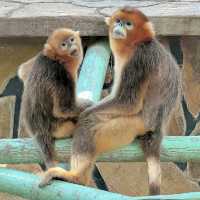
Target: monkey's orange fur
(53,51)
(142,31)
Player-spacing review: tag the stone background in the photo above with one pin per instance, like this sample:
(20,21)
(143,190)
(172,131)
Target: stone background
(179,177)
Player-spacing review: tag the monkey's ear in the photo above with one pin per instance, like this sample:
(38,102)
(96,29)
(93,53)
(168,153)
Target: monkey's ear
(78,33)
(107,20)
(49,51)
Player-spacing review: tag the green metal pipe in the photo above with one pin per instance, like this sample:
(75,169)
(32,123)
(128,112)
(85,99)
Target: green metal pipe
(26,185)
(93,71)
(174,148)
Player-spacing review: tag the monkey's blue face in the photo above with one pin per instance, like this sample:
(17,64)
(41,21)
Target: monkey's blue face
(120,28)
(70,46)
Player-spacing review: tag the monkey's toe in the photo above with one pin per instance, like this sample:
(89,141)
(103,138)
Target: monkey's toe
(44,182)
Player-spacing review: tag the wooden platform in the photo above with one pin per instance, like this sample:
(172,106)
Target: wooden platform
(39,17)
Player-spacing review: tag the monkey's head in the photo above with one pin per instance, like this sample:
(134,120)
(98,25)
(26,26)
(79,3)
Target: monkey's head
(127,27)
(65,46)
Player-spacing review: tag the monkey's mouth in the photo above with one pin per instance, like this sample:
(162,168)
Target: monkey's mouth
(74,51)
(119,33)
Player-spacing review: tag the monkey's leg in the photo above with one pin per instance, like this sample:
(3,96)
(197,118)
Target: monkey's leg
(64,130)
(150,144)
(90,141)
(46,144)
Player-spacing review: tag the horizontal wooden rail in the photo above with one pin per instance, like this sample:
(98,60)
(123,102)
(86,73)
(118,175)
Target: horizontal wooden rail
(26,185)
(181,148)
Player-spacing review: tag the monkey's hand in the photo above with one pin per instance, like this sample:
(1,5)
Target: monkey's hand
(82,104)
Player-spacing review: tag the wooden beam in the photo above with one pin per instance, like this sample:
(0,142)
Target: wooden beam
(180,148)
(26,185)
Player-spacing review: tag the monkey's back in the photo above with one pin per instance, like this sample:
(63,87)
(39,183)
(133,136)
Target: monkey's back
(164,87)
(46,78)
(151,62)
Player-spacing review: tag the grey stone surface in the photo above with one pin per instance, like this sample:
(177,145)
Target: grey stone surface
(40,17)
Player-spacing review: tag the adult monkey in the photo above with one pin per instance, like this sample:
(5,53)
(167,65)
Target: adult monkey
(146,89)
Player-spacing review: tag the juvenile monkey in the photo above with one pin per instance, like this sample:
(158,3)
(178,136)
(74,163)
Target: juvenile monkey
(145,91)
(49,106)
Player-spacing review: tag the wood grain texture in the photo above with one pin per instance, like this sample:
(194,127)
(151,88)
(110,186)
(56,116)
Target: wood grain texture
(40,17)
(191,73)
(131,178)
(174,148)
(26,185)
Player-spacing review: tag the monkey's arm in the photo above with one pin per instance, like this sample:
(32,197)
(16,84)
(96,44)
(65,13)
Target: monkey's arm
(112,106)
(25,68)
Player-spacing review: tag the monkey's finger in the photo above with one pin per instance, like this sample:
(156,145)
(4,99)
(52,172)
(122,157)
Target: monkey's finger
(46,180)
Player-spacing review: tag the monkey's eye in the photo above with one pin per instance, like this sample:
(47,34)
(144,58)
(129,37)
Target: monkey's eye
(117,21)
(71,39)
(63,44)
(129,25)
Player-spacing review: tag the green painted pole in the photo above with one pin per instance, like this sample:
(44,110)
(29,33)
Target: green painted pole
(26,185)
(174,148)
(93,71)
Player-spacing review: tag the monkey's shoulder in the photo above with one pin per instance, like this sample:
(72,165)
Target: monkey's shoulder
(47,69)
(152,55)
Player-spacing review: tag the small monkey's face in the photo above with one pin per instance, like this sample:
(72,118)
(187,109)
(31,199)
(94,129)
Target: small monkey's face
(70,46)
(64,45)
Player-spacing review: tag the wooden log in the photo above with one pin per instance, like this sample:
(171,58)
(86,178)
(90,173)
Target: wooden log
(191,89)
(174,148)
(191,73)
(26,185)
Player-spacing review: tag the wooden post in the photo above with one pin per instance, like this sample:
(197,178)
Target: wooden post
(191,73)
(191,88)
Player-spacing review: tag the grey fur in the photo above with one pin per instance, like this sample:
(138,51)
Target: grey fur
(47,79)
(149,61)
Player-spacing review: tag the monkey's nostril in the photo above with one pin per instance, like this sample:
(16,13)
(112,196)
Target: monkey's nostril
(119,32)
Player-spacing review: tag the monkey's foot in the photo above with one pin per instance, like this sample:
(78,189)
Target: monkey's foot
(59,173)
